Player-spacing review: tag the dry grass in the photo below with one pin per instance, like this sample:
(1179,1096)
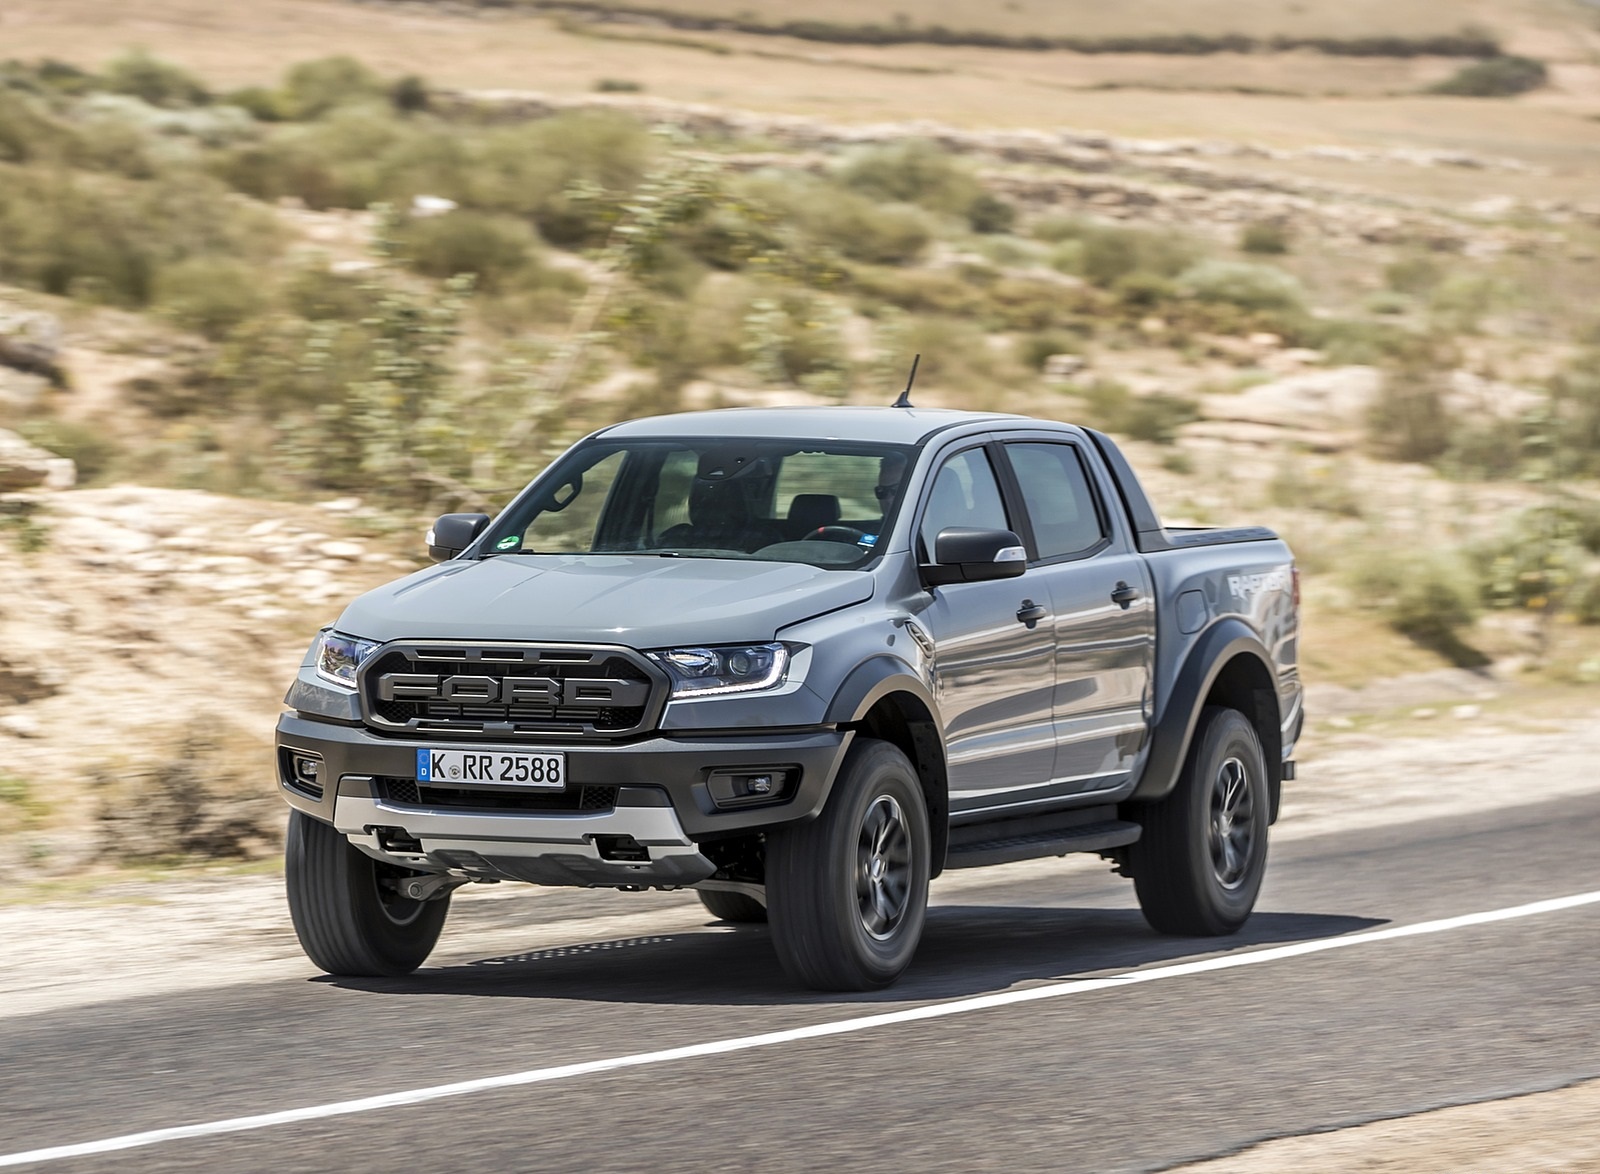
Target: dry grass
(233,45)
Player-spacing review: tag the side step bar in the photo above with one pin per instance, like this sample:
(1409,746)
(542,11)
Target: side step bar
(1025,839)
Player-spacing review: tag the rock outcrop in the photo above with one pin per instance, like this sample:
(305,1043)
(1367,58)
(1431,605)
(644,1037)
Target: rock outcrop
(27,466)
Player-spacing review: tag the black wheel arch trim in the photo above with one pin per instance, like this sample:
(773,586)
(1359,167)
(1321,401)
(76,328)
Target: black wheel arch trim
(1213,650)
(870,682)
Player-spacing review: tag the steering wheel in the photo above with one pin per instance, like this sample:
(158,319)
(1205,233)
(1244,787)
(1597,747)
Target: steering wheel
(837,533)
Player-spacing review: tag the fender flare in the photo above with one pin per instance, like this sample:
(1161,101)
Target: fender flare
(867,684)
(871,680)
(1213,650)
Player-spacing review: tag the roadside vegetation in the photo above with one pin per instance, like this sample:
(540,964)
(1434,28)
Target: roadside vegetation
(350,283)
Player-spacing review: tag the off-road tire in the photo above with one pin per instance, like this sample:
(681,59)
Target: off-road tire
(349,921)
(735,907)
(1198,865)
(847,892)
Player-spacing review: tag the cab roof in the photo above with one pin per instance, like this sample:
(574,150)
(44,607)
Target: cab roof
(833,422)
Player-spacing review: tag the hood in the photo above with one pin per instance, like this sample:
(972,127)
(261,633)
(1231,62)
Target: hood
(608,599)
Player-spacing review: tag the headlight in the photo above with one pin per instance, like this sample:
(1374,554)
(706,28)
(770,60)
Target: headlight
(337,658)
(705,672)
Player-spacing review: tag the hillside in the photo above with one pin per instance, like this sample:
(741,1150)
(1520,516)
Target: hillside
(230,293)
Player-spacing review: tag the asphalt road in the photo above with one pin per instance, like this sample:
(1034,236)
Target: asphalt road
(1127,1075)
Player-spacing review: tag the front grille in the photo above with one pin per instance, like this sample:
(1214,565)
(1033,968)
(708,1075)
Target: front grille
(511,691)
(409,793)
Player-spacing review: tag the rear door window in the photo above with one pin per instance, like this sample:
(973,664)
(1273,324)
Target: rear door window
(1060,501)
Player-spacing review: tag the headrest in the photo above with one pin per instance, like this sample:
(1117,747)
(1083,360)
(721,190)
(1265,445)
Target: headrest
(814,510)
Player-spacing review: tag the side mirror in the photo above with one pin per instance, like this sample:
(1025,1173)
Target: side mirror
(965,555)
(453,533)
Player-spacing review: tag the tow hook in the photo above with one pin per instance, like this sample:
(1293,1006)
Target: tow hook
(431,888)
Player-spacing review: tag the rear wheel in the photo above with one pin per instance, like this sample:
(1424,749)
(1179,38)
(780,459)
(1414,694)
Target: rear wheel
(348,909)
(737,907)
(1198,865)
(847,893)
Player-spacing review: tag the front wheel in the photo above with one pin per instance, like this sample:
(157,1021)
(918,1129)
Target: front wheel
(847,893)
(1198,865)
(348,910)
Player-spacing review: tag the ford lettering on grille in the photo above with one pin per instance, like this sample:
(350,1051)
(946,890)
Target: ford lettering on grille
(522,691)
(466,689)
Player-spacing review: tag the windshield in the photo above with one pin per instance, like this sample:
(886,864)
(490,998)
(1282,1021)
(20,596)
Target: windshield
(824,502)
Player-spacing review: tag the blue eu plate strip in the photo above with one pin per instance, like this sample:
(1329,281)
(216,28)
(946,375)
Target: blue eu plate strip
(423,764)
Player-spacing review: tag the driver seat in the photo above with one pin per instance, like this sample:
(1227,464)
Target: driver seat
(810,512)
(720,519)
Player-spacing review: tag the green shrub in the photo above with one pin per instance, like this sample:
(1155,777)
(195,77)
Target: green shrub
(1430,597)
(1300,482)
(152,80)
(27,131)
(210,295)
(47,76)
(1035,349)
(1584,600)
(914,172)
(1265,237)
(796,340)
(921,291)
(1409,420)
(1498,77)
(617,85)
(313,88)
(1537,562)
(1349,342)
(534,170)
(317,294)
(260,102)
(1575,396)
(493,248)
(1435,604)
(957,360)
(1413,275)
(858,228)
(1106,254)
(1386,302)
(1461,301)
(1144,290)
(1055,229)
(89,446)
(104,239)
(1156,417)
(989,214)
(1235,283)
(410,95)
(718,327)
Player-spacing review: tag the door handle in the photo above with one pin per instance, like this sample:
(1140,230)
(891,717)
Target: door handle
(1124,595)
(1030,613)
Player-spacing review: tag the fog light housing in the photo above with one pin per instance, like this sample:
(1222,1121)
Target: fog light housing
(751,786)
(301,772)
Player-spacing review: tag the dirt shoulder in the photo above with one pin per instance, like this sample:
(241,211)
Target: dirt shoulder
(1550,1132)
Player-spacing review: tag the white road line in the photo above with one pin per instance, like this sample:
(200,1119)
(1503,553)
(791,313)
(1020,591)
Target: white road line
(794,1035)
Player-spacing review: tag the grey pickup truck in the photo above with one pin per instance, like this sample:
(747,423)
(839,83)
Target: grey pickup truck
(802,660)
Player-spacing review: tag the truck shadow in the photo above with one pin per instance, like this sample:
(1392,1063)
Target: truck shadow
(966,950)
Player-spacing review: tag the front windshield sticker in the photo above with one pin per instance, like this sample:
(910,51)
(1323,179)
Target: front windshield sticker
(867,540)
(509,542)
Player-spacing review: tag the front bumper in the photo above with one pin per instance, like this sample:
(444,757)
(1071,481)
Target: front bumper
(663,804)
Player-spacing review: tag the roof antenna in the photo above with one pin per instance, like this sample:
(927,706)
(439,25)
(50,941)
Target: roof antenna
(905,396)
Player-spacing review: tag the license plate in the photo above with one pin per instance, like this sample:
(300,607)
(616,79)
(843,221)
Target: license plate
(492,768)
